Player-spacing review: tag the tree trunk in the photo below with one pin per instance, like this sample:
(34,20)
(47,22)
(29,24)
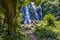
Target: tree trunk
(10,6)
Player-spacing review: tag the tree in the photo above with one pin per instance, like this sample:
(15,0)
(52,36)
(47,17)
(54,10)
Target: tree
(10,7)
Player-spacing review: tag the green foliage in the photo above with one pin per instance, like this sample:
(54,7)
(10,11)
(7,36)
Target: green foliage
(26,2)
(2,16)
(4,31)
(50,19)
(43,23)
(19,18)
(51,6)
(38,2)
(43,32)
(18,35)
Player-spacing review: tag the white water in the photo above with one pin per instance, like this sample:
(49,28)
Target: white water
(29,13)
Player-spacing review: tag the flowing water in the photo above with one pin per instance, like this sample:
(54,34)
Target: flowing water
(26,15)
(39,11)
(30,12)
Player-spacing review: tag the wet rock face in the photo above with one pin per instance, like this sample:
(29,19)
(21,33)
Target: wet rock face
(31,12)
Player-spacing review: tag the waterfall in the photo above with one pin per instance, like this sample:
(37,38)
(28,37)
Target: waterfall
(32,11)
(26,15)
(39,11)
(41,14)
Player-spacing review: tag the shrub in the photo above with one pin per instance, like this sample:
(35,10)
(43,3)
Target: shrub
(18,19)
(18,35)
(43,32)
(50,19)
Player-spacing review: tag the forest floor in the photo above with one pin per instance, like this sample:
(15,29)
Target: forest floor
(29,33)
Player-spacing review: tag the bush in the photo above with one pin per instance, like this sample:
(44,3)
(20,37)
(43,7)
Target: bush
(43,32)
(19,18)
(18,35)
(50,19)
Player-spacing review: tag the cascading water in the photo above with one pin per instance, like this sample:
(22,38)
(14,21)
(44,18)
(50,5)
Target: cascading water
(41,14)
(26,15)
(32,11)
(39,11)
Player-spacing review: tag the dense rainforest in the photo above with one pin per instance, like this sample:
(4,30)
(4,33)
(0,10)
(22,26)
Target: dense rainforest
(11,21)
